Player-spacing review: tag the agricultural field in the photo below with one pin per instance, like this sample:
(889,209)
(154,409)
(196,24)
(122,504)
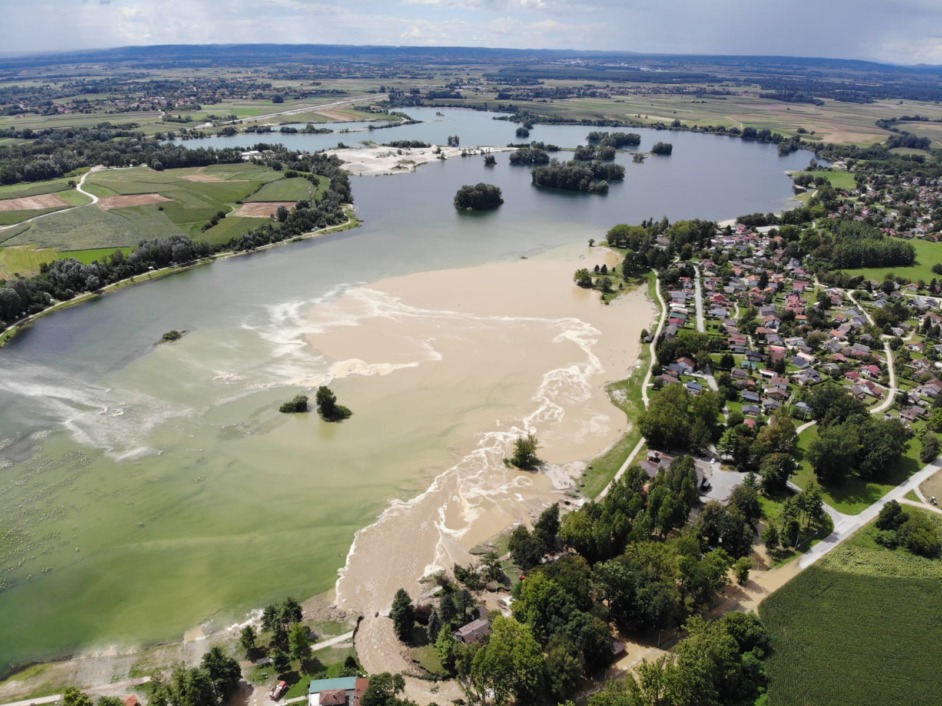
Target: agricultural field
(294,189)
(834,121)
(90,256)
(861,626)
(141,203)
(928,254)
(931,130)
(23,260)
(229,228)
(20,202)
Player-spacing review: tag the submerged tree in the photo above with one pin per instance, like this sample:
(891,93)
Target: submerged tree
(327,406)
(298,404)
(524,455)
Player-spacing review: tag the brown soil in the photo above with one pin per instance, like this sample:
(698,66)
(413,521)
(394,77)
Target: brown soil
(32,203)
(261,209)
(932,488)
(111,202)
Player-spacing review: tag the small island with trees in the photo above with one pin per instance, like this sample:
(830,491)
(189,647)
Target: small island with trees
(588,177)
(295,406)
(327,406)
(662,148)
(480,197)
(524,455)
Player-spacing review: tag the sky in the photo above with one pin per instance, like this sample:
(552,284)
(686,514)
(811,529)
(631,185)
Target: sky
(895,31)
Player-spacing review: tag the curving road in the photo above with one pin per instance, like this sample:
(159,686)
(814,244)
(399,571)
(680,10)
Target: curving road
(644,386)
(78,187)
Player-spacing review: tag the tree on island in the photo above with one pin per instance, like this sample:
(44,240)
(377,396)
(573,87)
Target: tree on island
(583,278)
(295,406)
(664,148)
(490,160)
(524,455)
(480,197)
(327,406)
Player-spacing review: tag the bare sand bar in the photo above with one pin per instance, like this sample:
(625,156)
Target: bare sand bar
(496,350)
(376,161)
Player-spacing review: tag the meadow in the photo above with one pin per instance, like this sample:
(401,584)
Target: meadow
(855,494)
(194,196)
(834,121)
(859,627)
(928,254)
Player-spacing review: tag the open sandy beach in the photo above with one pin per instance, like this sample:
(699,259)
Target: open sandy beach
(496,350)
(375,161)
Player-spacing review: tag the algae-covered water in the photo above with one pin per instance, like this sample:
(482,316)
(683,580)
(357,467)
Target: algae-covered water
(147,489)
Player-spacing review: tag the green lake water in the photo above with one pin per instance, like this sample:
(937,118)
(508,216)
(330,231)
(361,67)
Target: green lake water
(147,489)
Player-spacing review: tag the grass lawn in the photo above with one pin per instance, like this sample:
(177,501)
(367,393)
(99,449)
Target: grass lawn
(36,188)
(838,179)
(90,256)
(229,228)
(427,657)
(626,395)
(293,189)
(859,627)
(24,260)
(853,496)
(927,254)
(78,229)
(323,664)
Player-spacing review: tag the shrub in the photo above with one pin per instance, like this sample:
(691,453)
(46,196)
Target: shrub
(298,404)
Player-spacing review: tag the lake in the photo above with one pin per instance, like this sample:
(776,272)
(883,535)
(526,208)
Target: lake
(148,489)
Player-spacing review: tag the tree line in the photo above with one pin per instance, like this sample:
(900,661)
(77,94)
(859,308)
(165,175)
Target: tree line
(62,280)
(591,177)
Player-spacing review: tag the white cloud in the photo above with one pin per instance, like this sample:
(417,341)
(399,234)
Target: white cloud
(904,31)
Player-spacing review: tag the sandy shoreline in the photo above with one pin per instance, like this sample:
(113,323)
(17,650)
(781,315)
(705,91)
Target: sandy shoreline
(379,160)
(492,350)
(542,351)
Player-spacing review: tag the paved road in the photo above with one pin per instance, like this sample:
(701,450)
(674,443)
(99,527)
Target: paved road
(701,324)
(332,641)
(890,365)
(848,524)
(653,354)
(644,387)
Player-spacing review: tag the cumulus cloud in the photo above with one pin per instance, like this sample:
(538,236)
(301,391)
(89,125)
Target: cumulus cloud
(904,31)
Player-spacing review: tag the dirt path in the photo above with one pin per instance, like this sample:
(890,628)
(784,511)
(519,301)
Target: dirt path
(78,187)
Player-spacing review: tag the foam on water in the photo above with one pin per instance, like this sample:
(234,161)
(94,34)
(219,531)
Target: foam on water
(118,422)
(481,476)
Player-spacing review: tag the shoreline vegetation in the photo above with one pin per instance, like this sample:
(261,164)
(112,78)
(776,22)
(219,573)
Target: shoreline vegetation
(10,332)
(630,395)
